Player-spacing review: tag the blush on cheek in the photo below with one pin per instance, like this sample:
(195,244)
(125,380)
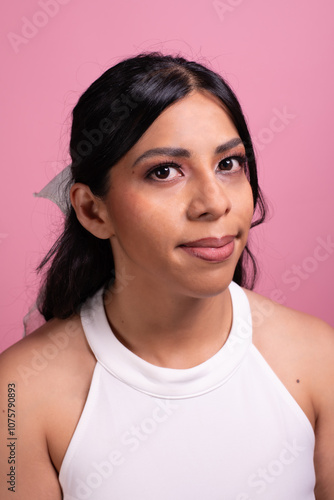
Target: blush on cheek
(132,215)
(242,202)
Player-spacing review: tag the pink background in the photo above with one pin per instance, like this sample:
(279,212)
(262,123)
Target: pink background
(276,55)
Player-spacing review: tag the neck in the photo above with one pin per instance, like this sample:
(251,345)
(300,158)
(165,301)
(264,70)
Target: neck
(165,329)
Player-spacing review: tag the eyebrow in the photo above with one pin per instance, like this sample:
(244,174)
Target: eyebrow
(185,153)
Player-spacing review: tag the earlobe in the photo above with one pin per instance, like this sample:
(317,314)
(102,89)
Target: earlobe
(91,211)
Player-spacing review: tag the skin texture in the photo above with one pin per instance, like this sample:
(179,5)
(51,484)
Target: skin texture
(163,298)
(170,290)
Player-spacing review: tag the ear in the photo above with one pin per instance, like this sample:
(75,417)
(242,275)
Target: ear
(91,211)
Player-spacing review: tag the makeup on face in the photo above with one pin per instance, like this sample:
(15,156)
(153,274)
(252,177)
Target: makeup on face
(180,202)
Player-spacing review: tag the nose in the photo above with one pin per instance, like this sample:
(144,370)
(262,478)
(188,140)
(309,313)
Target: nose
(209,198)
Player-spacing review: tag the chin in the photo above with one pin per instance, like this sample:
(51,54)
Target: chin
(209,286)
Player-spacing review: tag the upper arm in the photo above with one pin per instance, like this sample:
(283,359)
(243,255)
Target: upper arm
(323,391)
(25,465)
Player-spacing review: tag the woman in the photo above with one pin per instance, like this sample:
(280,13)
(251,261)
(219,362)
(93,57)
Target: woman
(159,374)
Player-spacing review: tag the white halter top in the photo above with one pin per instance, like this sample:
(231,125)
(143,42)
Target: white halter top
(226,429)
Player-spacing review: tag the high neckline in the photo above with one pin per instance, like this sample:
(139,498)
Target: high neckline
(171,383)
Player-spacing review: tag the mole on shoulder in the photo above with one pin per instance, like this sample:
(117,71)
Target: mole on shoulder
(297,380)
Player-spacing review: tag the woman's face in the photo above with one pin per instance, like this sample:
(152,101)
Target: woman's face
(161,203)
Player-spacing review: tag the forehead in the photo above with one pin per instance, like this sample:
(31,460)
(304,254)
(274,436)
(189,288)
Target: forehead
(199,119)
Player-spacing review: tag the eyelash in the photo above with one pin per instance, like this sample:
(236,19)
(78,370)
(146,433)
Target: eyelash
(242,159)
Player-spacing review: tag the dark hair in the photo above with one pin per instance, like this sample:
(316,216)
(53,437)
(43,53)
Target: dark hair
(109,118)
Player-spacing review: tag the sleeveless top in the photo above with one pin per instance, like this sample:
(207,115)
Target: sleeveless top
(226,429)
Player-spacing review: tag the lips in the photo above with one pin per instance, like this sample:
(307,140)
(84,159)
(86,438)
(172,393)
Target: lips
(210,242)
(210,249)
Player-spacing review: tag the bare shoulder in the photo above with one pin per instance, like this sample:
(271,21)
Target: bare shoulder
(276,322)
(42,374)
(300,349)
(58,346)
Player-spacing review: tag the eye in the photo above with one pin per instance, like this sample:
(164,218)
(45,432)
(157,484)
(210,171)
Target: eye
(232,163)
(165,171)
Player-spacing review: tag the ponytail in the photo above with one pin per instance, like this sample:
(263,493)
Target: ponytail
(81,264)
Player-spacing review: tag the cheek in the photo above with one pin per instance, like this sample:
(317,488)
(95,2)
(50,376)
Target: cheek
(244,203)
(138,219)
